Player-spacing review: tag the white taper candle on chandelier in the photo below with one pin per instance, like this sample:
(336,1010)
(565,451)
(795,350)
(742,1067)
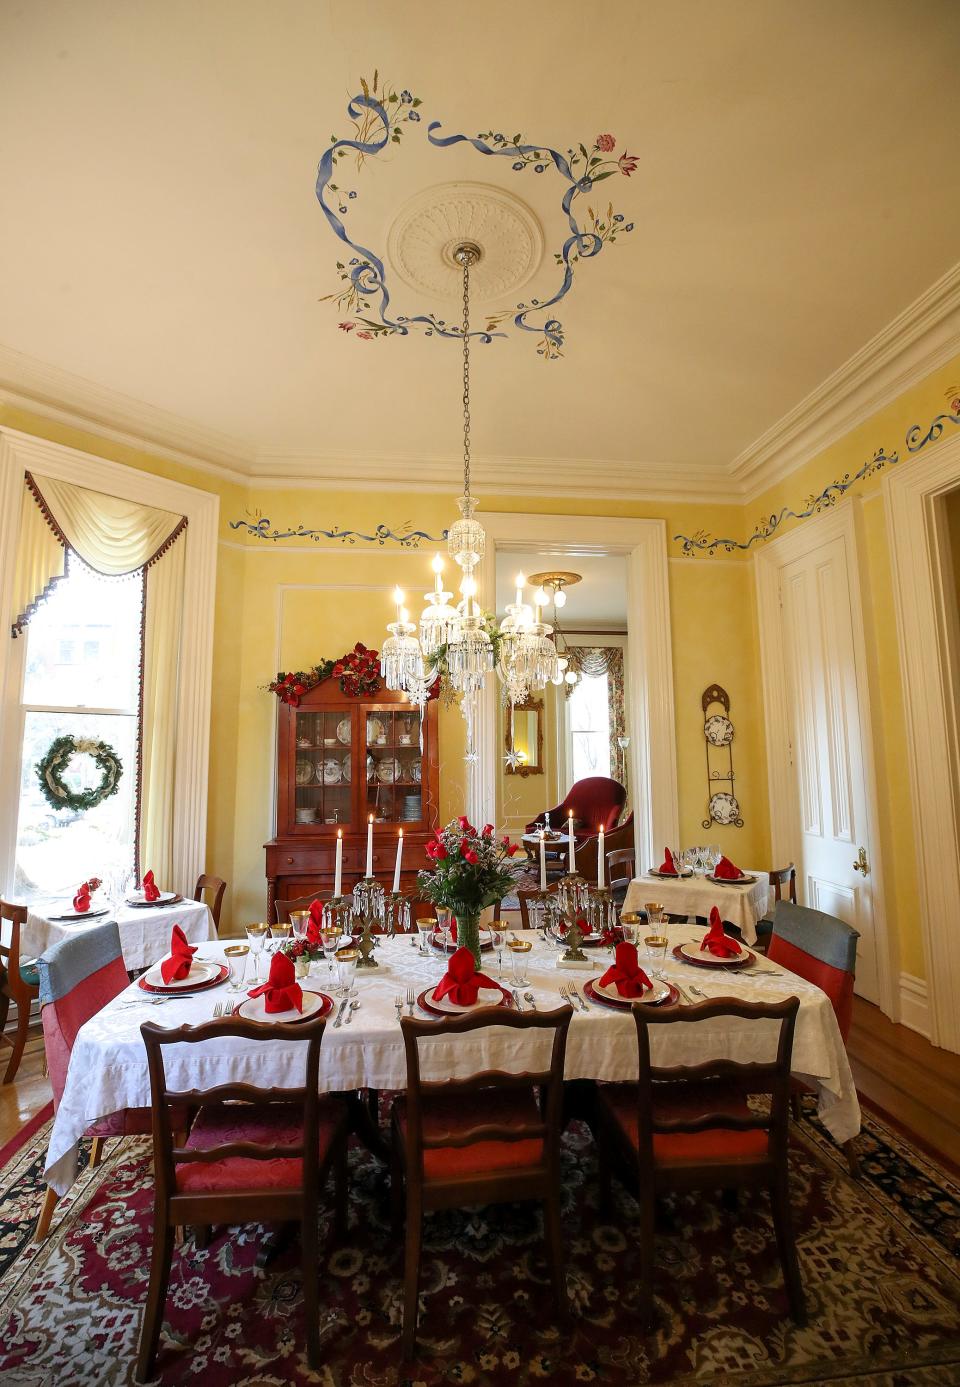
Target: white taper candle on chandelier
(543,860)
(369,871)
(338,871)
(396,865)
(600,863)
(572,857)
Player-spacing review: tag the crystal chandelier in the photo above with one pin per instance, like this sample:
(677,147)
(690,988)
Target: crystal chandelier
(551,587)
(454,640)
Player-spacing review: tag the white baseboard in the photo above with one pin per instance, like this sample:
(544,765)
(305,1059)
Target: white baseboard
(914,1007)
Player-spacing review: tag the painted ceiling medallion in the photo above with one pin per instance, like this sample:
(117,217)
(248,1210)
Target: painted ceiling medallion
(382,117)
(422,241)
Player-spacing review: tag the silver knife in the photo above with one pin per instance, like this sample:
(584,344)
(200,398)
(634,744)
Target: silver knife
(340,1014)
(516,999)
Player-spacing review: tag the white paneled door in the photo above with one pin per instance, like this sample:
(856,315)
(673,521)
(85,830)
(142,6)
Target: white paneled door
(826,742)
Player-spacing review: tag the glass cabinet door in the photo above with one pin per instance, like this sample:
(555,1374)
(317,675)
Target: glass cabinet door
(324,768)
(395,766)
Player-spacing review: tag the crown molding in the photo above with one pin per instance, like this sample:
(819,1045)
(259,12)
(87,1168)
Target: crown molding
(923,337)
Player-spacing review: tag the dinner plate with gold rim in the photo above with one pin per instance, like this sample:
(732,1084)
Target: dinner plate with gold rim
(703,958)
(486,997)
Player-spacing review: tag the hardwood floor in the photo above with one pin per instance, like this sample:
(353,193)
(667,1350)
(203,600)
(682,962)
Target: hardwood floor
(914,1084)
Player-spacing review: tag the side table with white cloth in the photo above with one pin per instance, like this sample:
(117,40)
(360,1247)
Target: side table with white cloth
(740,905)
(144,930)
(108,1065)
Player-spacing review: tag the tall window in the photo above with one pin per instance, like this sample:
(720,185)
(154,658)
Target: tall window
(81,679)
(588,721)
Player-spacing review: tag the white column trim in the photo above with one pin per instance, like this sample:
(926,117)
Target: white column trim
(914,1004)
(926,631)
(652,727)
(20,453)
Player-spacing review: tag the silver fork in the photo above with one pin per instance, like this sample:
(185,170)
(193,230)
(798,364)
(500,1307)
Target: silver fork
(411,998)
(398,1003)
(581,1001)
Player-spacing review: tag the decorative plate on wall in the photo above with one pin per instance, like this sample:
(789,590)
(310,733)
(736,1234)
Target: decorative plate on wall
(723,807)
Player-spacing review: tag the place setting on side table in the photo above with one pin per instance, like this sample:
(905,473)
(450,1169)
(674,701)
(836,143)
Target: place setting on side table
(688,880)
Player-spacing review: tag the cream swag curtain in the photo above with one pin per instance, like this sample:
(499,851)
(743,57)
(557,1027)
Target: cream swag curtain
(115,537)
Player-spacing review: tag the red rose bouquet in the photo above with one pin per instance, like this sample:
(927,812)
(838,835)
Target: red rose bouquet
(470,871)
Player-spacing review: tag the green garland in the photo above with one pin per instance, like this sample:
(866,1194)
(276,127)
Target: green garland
(51,767)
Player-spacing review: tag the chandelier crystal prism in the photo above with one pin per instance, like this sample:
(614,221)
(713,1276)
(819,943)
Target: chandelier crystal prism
(457,642)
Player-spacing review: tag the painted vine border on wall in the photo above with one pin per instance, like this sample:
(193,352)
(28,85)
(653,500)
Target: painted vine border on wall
(258,527)
(702,542)
(380,115)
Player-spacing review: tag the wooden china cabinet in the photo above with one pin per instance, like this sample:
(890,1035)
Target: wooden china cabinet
(340,759)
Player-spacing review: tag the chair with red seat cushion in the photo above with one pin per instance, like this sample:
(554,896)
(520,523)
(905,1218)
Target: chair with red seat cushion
(596,802)
(478,1140)
(253,1155)
(692,1127)
(78,977)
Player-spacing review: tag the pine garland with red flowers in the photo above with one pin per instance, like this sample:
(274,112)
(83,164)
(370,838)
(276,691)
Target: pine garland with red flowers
(358,672)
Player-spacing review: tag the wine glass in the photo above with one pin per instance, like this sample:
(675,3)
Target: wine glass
(331,939)
(256,935)
(498,934)
(299,919)
(280,934)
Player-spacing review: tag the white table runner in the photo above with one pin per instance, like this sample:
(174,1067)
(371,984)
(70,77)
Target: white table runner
(144,932)
(742,906)
(108,1069)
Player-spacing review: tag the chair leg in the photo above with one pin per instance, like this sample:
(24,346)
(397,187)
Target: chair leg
(19,1040)
(46,1214)
(411,1271)
(201,1236)
(340,1192)
(783,1223)
(97,1147)
(156,1298)
(4,1009)
(648,1215)
(853,1160)
(311,1289)
(397,1192)
(554,1238)
(606,1182)
(796,1107)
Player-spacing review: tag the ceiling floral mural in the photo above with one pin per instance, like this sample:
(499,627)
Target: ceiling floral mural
(382,115)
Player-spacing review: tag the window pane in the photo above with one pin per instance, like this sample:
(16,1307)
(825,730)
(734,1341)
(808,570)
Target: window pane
(588,715)
(83,642)
(59,848)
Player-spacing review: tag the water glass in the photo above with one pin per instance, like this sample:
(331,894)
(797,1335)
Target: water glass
(346,962)
(425,928)
(236,959)
(299,919)
(280,933)
(519,948)
(629,925)
(656,946)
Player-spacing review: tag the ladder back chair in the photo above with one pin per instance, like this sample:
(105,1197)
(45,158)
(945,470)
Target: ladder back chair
(690,1127)
(19,983)
(485,1139)
(216,886)
(253,1155)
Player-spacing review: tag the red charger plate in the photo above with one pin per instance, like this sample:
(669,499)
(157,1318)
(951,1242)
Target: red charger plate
(705,962)
(625,1003)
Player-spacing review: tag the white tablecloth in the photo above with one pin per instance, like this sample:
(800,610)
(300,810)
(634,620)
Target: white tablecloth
(108,1068)
(144,933)
(742,906)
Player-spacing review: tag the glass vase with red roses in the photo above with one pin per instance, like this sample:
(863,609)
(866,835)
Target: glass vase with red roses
(471,870)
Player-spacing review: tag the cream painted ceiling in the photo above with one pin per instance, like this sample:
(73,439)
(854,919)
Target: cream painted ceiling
(796,189)
(598,600)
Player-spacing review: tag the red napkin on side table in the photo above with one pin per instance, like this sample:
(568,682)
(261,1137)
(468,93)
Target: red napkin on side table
(461,982)
(281,991)
(626,972)
(177,966)
(668,867)
(716,942)
(151,891)
(727,870)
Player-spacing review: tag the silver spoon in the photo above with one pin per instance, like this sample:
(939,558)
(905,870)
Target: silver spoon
(529,997)
(350,1010)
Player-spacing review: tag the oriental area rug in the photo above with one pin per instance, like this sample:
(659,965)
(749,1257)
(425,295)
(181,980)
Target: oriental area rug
(878,1258)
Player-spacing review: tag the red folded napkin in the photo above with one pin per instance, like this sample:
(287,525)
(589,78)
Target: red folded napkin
(716,942)
(668,867)
(151,891)
(315,924)
(81,900)
(461,982)
(177,966)
(626,972)
(727,870)
(281,991)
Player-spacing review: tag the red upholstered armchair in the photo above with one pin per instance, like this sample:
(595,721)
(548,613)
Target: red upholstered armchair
(596,802)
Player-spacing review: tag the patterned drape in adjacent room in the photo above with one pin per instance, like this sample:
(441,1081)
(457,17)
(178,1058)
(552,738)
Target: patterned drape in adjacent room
(593,661)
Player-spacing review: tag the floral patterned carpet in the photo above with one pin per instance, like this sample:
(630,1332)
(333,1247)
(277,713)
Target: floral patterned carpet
(878,1259)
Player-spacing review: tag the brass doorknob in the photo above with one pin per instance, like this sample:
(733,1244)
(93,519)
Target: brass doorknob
(861,864)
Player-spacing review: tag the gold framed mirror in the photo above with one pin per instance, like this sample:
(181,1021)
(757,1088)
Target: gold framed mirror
(525,745)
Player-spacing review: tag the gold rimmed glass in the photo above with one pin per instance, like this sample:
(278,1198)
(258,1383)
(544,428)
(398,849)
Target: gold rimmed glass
(256,935)
(236,956)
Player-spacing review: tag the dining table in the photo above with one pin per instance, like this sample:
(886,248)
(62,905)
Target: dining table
(693,894)
(144,929)
(108,1064)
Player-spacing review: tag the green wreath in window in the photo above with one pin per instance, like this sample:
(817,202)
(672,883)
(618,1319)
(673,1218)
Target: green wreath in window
(50,770)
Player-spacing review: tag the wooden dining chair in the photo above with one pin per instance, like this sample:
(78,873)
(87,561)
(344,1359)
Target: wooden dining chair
(253,1155)
(19,983)
(525,894)
(690,1127)
(283,908)
(215,885)
(621,869)
(479,1140)
(78,977)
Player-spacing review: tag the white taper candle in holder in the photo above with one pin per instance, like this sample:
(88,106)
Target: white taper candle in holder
(543,861)
(572,854)
(396,866)
(338,872)
(369,871)
(600,862)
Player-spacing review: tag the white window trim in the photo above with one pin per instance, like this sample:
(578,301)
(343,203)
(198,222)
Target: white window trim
(21,453)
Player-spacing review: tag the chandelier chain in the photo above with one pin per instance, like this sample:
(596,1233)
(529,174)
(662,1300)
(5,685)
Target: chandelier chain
(466,374)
